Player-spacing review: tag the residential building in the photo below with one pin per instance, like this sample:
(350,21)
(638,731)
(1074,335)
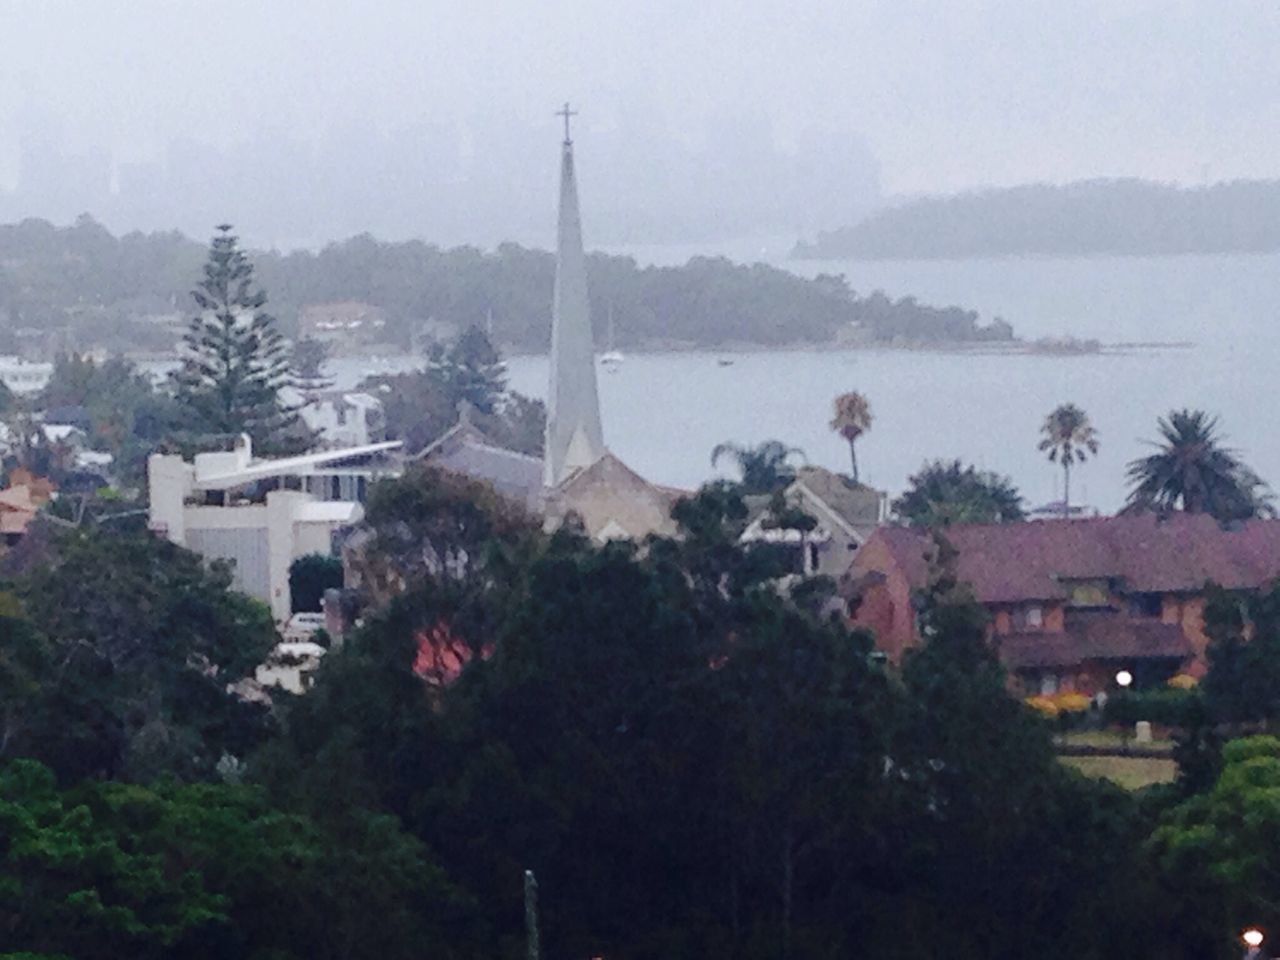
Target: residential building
(845,515)
(343,418)
(1072,602)
(262,514)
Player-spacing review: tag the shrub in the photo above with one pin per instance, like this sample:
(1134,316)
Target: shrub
(1167,706)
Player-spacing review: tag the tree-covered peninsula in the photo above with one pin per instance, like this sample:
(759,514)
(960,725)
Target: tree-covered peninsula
(96,289)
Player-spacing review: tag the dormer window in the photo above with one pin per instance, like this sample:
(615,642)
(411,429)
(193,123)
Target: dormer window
(1028,618)
(1146,605)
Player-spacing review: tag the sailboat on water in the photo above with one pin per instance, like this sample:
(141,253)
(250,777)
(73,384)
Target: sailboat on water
(612,358)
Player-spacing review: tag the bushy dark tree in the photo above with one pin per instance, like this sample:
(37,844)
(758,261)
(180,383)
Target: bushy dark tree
(144,640)
(235,361)
(308,360)
(206,872)
(945,492)
(310,577)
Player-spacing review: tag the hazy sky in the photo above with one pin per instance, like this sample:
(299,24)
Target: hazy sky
(946,93)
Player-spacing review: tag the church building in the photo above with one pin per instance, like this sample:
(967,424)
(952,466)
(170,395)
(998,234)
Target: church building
(580,477)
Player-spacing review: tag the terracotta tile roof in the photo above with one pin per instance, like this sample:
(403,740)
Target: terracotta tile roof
(1029,561)
(1105,636)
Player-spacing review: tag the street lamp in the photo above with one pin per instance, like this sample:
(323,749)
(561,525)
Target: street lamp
(1252,938)
(1125,679)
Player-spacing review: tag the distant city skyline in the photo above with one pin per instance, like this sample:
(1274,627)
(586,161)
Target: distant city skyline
(307,122)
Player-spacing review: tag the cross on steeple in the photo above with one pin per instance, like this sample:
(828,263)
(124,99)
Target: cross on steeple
(566,113)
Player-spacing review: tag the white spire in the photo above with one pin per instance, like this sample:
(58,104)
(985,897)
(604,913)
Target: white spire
(574,435)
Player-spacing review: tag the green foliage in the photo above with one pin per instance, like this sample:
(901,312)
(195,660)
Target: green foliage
(943,493)
(1069,438)
(465,375)
(310,577)
(205,871)
(764,468)
(1243,681)
(1166,706)
(143,639)
(121,411)
(235,361)
(104,287)
(308,360)
(1192,471)
(1217,851)
(432,523)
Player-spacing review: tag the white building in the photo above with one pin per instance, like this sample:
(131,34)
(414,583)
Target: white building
(24,376)
(343,418)
(262,514)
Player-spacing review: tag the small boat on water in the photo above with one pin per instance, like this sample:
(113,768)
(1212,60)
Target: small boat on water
(612,358)
(725,362)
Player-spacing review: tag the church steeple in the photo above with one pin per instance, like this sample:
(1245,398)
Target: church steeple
(574,437)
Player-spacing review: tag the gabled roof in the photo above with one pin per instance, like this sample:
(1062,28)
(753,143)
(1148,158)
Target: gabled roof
(465,450)
(1010,562)
(854,504)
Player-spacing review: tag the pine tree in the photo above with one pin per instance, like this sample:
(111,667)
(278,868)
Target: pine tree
(235,361)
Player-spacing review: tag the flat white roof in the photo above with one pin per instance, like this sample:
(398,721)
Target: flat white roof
(289,466)
(328,511)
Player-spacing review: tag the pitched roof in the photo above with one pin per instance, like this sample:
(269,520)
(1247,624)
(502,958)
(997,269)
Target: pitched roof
(1102,637)
(856,504)
(1009,562)
(465,450)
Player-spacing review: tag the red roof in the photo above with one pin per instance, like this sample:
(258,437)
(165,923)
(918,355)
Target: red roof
(1011,562)
(1102,637)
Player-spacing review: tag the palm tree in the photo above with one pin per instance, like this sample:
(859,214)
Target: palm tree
(852,419)
(764,468)
(1192,471)
(1070,438)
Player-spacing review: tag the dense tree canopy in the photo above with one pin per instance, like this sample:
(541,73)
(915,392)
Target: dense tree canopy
(108,290)
(945,492)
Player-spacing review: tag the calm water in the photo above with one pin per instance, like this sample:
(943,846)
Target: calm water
(663,413)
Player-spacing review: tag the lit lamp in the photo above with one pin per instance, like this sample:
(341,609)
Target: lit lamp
(1125,679)
(1252,938)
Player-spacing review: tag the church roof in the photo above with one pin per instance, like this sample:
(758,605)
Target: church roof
(465,450)
(614,501)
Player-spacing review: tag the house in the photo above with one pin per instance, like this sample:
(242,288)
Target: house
(845,515)
(342,418)
(1072,602)
(262,514)
(17,509)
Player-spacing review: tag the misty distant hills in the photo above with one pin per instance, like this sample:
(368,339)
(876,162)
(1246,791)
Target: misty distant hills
(1088,218)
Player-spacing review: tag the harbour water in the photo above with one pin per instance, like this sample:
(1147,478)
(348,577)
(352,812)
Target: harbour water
(664,412)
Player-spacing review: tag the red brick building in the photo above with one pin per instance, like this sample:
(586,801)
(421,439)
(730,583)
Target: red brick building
(1072,602)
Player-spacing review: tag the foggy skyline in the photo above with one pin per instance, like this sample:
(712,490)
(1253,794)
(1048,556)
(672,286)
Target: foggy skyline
(308,122)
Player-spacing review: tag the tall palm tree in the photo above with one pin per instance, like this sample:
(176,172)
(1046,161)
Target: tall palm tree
(1192,471)
(852,419)
(1069,438)
(765,467)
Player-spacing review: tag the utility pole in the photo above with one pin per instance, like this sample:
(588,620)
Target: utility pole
(534,950)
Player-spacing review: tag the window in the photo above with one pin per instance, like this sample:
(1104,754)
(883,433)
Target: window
(1146,605)
(1028,618)
(1089,593)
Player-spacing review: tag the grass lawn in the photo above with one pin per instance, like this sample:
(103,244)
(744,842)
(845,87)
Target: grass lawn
(1132,773)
